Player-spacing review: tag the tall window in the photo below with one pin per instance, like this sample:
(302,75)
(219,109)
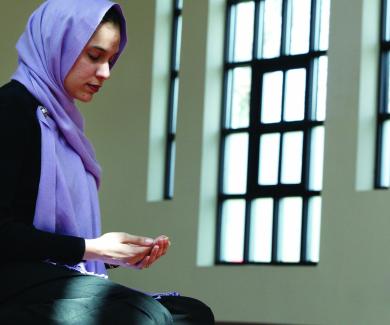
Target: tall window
(382,170)
(272,136)
(177,6)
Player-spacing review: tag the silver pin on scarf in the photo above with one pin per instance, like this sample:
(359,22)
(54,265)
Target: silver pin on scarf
(44,111)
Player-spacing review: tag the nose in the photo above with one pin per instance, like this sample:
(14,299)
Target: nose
(103,71)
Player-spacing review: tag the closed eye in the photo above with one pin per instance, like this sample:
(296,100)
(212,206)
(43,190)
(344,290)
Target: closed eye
(93,57)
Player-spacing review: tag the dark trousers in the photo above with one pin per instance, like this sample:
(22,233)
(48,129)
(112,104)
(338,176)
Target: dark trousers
(56,295)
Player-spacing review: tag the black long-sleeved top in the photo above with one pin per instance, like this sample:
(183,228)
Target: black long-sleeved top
(20,168)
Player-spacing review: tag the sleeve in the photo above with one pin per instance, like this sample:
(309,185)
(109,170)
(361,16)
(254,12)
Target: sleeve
(19,239)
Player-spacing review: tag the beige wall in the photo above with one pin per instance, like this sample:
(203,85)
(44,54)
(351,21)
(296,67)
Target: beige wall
(351,284)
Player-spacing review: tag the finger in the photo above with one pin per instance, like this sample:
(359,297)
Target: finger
(161,252)
(136,254)
(164,246)
(153,256)
(168,244)
(159,244)
(136,260)
(137,240)
(143,263)
(160,237)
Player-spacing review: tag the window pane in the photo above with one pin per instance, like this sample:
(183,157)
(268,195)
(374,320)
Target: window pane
(313,229)
(271,103)
(269,159)
(236,161)
(261,230)
(300,26)
(289,229)
(388,80)
(232,231)
(387,22)
(316,158)
(238,109)
(292,157)
(272,28)
(324,24)
(294,109)
(180,4)
(320,91)
(385,154)
(243,34)
(171,171)
(175,95)
(178,43)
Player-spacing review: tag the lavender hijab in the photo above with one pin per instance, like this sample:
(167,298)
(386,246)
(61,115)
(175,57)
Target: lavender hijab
(55,35)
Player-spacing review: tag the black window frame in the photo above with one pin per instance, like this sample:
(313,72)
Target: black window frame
(383,93)
(259,67)
(170,146)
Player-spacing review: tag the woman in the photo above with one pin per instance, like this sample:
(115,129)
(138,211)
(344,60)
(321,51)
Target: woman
(54,258)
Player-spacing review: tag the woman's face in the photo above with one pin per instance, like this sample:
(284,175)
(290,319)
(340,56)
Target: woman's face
(92,67)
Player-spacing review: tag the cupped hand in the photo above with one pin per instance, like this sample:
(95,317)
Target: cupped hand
(160,246)
(119,248)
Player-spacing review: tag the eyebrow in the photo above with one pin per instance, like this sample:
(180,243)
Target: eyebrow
(99,48)
(102,49)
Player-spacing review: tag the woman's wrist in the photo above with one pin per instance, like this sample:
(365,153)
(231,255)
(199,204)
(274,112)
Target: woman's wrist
(90,252)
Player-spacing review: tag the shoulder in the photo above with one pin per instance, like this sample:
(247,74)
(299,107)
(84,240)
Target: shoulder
(16,102)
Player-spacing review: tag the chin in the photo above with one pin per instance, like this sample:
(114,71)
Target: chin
(85,98)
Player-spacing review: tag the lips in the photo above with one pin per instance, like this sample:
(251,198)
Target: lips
(93,88)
